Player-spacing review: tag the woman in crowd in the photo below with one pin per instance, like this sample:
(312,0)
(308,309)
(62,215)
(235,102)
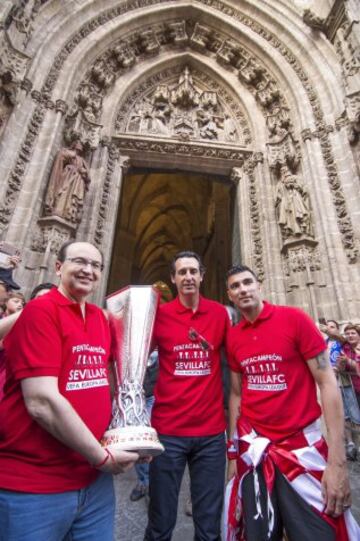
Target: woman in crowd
(348,365)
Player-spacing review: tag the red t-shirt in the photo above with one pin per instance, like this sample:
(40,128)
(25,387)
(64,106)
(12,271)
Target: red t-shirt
(354,356)
(278,393)
(188,392)
(51,338)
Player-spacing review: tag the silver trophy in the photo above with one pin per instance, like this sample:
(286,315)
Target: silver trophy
(132,316)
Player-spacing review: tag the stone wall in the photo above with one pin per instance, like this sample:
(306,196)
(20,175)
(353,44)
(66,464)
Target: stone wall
(265,94)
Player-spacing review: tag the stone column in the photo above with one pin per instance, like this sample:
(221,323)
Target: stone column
(222,224)
(255,238)
(103,228)
(123,260)
(333,278)
(32,173)
(241,248)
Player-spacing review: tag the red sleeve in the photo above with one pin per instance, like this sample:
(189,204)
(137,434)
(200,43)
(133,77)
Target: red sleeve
(310,341)
(230,356)
(33,347)
(226,325)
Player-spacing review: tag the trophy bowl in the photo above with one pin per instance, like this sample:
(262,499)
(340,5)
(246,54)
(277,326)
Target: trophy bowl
(132,314)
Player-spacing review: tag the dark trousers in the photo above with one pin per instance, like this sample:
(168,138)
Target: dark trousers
(292,513)
(205,457)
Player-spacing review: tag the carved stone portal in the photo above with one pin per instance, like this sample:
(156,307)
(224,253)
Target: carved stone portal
(181,110)
(68,184)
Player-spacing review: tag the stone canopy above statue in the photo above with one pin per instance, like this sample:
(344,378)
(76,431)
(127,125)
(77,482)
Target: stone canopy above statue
(185,110)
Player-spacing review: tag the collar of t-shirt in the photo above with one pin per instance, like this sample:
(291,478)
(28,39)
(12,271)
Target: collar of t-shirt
(265,313)
(61,300)
(181,309)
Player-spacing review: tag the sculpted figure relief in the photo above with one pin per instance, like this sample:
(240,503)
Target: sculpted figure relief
(183,111)
(68,184)
(292,206)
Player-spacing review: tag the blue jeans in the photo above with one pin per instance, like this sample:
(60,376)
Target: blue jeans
(142,470)
(351,406)
(76,515)
(206,459)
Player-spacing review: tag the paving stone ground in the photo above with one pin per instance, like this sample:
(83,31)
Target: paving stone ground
(131,516)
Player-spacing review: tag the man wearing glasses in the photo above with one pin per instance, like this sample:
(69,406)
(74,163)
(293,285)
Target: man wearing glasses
(55,478)
(188,412)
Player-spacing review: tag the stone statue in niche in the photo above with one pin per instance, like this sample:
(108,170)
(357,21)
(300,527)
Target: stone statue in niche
(161,111)
(229,129)
(160,120)
(8,95)
(5,110)
(206,122)
(22,15)
(292,206)
(68,184)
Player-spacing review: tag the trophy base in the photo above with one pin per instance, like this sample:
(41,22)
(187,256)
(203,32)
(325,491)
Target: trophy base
(141,439)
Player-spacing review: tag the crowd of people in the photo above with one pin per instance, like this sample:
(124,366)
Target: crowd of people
(344,355)
(284,479)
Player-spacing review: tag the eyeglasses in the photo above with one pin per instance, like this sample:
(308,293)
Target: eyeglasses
(196,337)
(82,262)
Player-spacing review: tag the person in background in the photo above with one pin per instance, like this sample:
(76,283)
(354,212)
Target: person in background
(3,296)
(9,261)
(41,289)
(12,307)
(15,302)
(7,323)
(334,339)
(348,365)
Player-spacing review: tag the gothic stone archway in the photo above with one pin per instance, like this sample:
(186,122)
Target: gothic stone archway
(63,73)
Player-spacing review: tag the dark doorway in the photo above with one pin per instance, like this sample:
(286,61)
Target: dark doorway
(162,213)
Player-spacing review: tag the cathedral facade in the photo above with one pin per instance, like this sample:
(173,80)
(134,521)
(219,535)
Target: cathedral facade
(228,127)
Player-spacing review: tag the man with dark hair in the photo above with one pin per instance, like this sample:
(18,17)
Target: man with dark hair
(62,254)
(238,269)
(55,409)
(281,475)
(41,289)
(188,412)
(186,253)
(4,292)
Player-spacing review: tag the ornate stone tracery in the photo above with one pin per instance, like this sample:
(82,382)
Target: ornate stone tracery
(345,35)
(100,78)
(50,234)
(178,108)
(21,19)
(164,114)
(302,258)
(111,162)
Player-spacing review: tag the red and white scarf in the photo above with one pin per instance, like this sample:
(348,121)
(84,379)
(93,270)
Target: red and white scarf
(301,458)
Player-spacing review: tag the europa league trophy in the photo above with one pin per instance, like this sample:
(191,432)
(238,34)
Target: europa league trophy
(132,315)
